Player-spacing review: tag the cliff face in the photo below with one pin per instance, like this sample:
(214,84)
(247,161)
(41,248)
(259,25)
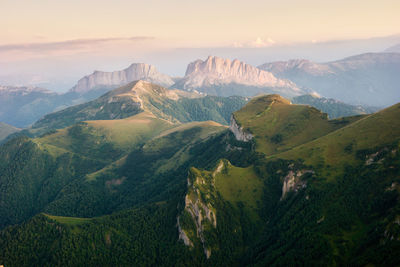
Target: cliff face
(138,71)
(217,71)
(199,215)
(238,131)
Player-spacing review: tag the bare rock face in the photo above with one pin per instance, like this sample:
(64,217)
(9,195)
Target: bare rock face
(199,208)
(217,71)
(293,182)
(137,71)
(238,131)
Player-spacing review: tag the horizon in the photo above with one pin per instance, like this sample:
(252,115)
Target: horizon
(53,44)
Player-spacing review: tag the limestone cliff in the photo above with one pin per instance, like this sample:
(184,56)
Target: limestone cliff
(238,131)
(136,71)
(293,180)
(199,215)
(219,72)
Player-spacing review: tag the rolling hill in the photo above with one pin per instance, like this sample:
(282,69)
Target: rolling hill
(283,186)
(133,98)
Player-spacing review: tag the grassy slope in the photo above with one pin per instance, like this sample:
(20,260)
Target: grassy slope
(117,136)
(167,140)
(172,105)
(31,177)
(6,130)
(278,125)
(338,148)
(68,220)
(137,177)
(240,185)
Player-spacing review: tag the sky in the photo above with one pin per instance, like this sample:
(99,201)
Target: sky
(70,38)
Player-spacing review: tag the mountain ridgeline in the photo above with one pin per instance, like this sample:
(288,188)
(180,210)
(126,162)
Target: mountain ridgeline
(368,79)
(144,175)
(218,76)
(22,106)
(334,108)
(172,105)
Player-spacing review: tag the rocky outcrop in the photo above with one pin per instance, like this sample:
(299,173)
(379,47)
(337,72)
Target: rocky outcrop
(200,210)
(217,71)
(183,236)
(293,182)
(137,71)
(238,131)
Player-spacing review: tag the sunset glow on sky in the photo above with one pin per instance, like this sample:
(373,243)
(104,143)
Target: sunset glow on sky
(197,22)
(111,34)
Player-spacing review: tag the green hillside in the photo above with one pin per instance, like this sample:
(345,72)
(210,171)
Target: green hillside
(148,190)
(105,139)
(278,125)
(352,143)
(6,130)
(172,105)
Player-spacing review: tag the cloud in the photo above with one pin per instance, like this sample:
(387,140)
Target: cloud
(257,43)
(76,44)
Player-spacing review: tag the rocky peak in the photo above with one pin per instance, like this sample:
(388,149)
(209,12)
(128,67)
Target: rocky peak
(136,71)
(218,71)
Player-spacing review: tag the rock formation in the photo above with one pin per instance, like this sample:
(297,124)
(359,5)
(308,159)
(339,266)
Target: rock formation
(137,71)
(217,72)
(238,131)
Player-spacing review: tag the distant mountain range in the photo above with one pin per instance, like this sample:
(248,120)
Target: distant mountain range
(369,79)
(393,49)
(21,106)
(333,107)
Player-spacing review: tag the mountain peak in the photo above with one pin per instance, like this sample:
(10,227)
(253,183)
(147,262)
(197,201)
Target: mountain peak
(136,71)
(216,72)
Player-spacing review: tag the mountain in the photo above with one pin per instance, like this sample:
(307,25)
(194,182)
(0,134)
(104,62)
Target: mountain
(277,125)
(6,130)
(218,76)
(369,79)
(393,49)
(282,186)
(103,81)
(20,106)
(139,96)
(334,108)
